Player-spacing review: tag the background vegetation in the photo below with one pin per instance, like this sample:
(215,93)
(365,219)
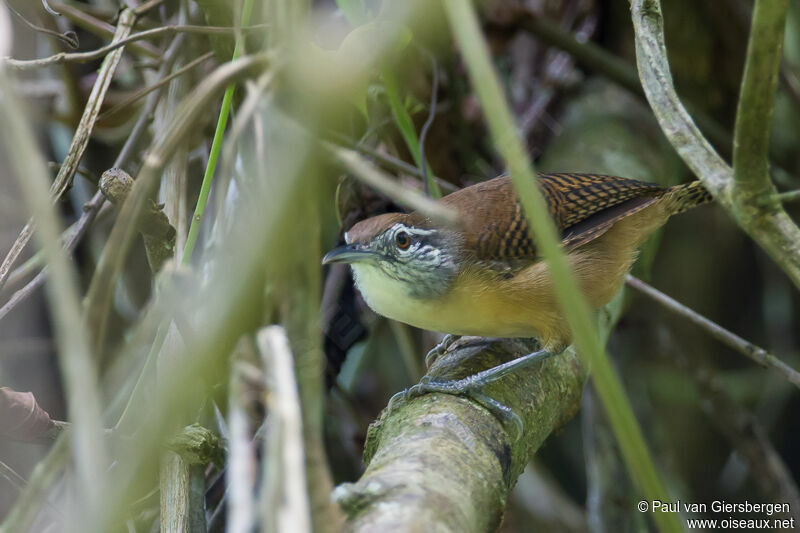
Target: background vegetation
(142,316)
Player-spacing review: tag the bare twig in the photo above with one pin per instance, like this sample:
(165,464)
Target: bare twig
(428,123)
(789,196)
(733,341)
(386,160)
(388,186)
(79,140)
(154,87)
(69,38)
(10,475)
(98,27)
(93,206)
(83,57)
(143,8)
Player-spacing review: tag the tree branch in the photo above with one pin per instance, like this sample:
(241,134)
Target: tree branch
(440,462)
(757,98)
(728,338)
(770,226)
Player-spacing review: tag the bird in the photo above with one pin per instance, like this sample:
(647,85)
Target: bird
(485,277)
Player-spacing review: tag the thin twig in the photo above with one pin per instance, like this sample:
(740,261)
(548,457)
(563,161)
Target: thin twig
(10,475)
(92,208)
(102,29)
(147,6)
(789,196)
(389,161)
(70,38)
(428,123)
(79,141)
(728,338)
(83,57)
(388,186)
(141,93)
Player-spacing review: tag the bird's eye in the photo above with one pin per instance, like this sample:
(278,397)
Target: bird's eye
(402,240)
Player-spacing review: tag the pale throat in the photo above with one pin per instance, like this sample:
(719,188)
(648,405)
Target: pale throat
(385,294)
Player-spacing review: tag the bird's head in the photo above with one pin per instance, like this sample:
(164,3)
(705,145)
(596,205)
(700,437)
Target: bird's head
(400,248)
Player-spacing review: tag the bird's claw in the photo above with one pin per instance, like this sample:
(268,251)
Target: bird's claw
(440,349)
(466,387)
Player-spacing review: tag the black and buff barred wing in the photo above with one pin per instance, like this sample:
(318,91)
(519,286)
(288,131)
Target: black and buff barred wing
(583,206)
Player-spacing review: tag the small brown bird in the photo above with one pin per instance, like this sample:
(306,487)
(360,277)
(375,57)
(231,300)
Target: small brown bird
(484,276)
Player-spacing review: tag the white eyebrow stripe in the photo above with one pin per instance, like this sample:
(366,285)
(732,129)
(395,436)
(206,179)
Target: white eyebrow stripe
(413,231)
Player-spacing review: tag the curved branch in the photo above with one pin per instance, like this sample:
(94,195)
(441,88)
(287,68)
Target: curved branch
(757,98)
(768,224)
(441,462)
(675,121)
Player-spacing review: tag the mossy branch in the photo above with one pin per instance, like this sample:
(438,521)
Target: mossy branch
(441,462)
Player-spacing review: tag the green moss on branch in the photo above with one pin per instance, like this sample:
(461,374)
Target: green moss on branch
(442,462)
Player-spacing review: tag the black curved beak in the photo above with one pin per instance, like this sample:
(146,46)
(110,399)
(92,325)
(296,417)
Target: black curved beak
(349,253)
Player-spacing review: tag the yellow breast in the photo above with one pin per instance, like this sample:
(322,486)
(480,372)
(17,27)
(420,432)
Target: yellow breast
(470,307)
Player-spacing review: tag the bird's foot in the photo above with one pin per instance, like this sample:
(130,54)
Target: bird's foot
(471,386)
(439,349)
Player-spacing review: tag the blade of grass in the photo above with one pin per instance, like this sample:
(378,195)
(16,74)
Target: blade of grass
(216,146)
(467,32)
(406,127)
(129,412)
(76,361)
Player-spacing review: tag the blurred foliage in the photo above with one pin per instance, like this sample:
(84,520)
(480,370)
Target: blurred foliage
(358,74)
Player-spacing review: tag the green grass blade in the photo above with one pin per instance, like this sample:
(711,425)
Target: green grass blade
(216,146)
(470,39)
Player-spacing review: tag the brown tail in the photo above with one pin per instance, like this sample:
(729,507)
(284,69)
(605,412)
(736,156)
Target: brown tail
(687,196)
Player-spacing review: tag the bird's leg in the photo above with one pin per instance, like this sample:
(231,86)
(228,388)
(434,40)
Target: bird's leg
(470,386)
(439,349)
